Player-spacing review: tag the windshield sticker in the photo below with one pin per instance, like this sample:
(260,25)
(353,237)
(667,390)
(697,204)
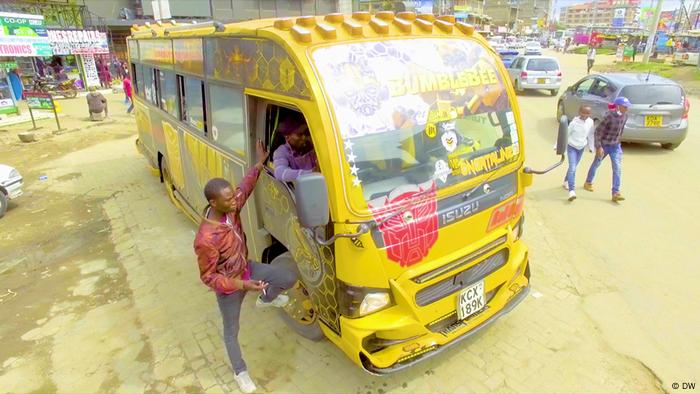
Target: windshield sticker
(408,233)
(350,156)
(407,105)
(449,138)
(442,170)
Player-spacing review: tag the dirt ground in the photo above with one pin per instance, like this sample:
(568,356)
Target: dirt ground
(99,289)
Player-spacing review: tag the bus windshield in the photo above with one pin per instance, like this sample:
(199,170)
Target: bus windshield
(417,114)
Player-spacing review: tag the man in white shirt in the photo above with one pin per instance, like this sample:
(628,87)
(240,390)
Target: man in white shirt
(581,135)
(591,57)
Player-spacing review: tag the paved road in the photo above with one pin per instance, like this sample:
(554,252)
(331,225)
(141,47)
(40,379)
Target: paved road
(103,292)
(635,267)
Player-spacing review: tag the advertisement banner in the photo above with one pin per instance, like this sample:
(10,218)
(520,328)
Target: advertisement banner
(90,69)
(619,17)
(23,35)
(38,100)
(7,106)
(78,42)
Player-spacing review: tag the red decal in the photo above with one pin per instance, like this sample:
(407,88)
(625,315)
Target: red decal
(409,235)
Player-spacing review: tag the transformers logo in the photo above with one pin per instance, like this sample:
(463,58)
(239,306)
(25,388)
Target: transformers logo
(408,236)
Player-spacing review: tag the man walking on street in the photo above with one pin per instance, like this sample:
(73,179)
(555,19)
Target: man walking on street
(607,142)
(590,57)
(222,256)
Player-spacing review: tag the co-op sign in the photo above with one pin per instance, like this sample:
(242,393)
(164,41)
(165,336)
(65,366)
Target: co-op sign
(23,35)
(26,35)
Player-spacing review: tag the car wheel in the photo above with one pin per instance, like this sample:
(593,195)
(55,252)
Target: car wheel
(668,146)
(519,86)
(554,92)
(3,204)
(300,314)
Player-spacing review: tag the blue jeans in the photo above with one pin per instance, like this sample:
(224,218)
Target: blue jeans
(574,156)
(615,153)
(279,278)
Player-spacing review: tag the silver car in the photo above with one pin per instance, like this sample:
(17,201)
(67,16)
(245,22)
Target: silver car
(535,73)
(659,111)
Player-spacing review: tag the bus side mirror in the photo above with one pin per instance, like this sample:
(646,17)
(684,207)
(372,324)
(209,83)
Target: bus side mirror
(312,200)
(562,142)
(563,135)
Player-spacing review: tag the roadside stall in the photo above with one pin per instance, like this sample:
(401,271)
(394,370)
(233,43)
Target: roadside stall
(79,47)
(22,37)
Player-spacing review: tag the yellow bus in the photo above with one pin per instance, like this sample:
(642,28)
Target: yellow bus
(408,240)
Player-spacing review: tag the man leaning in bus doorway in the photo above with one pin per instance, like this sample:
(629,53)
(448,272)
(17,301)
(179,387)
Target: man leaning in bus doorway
(297,156)
(222,255)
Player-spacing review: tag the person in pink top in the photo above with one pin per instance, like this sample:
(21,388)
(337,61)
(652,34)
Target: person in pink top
(128,92)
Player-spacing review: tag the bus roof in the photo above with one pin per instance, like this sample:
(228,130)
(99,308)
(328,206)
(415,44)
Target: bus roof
(306,30)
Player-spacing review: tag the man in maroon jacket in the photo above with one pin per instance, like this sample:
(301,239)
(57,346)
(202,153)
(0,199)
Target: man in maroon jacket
(222,255)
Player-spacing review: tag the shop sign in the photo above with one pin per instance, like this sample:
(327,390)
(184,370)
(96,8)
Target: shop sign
(7,106)
(92,78)
(23,35)
(9,65)
(78,42)
(38,100)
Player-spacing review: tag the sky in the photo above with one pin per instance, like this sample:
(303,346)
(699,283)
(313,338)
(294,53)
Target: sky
(668,4)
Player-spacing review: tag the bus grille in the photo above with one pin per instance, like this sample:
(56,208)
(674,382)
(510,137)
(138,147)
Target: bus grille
(462,279)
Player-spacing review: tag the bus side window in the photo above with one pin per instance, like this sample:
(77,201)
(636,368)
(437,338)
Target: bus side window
(135,79)
(192,100)
(228,126)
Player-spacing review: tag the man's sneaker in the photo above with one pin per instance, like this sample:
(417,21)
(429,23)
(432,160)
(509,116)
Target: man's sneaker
(588,186)
(617,197)
(279,302)
(572,195)
(245,383)
(565,185)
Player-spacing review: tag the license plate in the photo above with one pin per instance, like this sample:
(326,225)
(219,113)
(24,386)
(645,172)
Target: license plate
(541,80)
(470,300)
(653,121)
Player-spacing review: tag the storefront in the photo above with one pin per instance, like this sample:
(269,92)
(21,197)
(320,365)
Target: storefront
(80,49)
(22,38)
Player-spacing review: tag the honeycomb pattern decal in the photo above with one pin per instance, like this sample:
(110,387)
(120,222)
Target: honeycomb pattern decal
(316,263)
(254,62)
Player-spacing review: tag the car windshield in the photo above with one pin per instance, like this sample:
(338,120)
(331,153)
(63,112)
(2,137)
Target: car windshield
(422,113)
(542,65)
(653,94)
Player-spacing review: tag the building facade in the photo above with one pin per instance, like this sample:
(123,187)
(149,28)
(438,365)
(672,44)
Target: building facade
(618,13)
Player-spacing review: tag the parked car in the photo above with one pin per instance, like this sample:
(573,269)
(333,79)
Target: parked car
(536,73)
(507,56)
(10,186)
(659,111)
(533,48)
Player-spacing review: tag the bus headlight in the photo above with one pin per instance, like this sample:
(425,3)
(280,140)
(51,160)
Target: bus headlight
(374,302)
(355,301)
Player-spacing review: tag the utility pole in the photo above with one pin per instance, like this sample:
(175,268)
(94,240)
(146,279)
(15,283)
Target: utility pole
(652,35)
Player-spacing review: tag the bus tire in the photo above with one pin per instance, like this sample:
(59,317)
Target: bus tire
(296,314)
(167,180)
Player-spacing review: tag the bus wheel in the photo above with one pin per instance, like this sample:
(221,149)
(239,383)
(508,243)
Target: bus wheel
(300,314)
(168,181)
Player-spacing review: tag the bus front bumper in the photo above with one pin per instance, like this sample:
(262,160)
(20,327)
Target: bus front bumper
(396,338)
(440,348)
